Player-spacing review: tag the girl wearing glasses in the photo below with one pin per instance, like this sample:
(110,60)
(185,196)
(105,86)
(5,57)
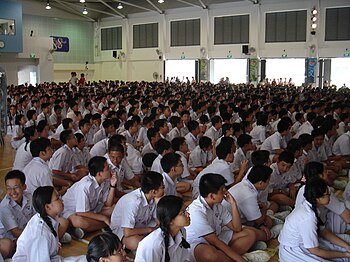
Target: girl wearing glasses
(304,236)
(39,240)
(167,243)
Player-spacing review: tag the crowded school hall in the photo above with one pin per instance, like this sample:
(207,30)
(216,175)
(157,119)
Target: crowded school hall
(175,131)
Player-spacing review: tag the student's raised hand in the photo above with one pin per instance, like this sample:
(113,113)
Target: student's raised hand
(114,179)
(229,198)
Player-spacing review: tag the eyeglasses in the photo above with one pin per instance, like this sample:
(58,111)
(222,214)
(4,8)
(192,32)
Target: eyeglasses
(15,188)
(185,212)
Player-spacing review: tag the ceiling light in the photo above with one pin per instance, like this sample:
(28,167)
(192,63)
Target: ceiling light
(82,1)
(314,19)
(313,26)
(85,11)
(161,1)
(48,7)
(314,11)
(120,6)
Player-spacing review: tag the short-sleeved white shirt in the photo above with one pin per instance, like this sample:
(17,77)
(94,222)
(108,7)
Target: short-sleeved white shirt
(258,134)
(341,146)
(148,149)
(273,142)
(100,148)
(142,135)
(152,248)
(213,133)
(318,154)
(156,166)
(169,185)
(191,141)
(62,159)
(99,135)
(134,159)
(22,157)
(305,128)
(186,171)
(246,197)
(199,158)
(81,157)
(86,195)
(37,174)
(133,211)
(13,215)
(206,220)
(239,157)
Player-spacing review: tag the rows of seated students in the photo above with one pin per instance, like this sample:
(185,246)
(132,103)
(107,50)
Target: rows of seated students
(238,157)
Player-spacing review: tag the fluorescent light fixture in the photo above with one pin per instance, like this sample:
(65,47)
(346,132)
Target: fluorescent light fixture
(120,6)
(85,11)
(82,1)
(48,7)
(161,1)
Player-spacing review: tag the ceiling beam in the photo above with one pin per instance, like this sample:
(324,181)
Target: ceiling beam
(72,10)
(154,6)
(113,9)
(188,3)
(137,6)
(202,4)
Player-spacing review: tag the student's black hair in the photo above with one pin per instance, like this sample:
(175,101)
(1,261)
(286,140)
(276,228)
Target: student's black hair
(83,121)
(39,145)
(262,119)
(18,119)
(16,174)
(79,137)
(159,123)
(107,123)
(260,157)
(66,122)
(243,140)
(259,173)
(151,181)
(30,114)
(211,183)
(65,135)
(313,169)
(223,149)
(116,139)
(215,120)
(96,116)
(102,246)
(226,127)
(41,125)
(41,197)
(168,209)
(116,148)
(184,112)
(146,120)
(148,159)
(151,132)
(311,116)
(45,105)
(128,124)
(315,188)
(162,145)
(236,128)
(169,161)
(174,121)
(328,125)
(305,139)
(343,116)
(57,107)
(177,142)
(96,164)
(204,142)
(294,145)
(282,126)
(28,133)
(203,119)
(298,116)
(317,132)
(287,157)
(226,116)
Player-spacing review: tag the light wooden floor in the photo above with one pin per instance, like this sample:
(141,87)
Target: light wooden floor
(76,247)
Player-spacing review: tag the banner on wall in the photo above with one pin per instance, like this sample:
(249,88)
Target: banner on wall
(253,69)
(60,43)
(311,66)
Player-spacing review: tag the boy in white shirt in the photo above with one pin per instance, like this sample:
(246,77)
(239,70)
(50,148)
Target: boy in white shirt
(192,136)
(162,147)
(202,155)
(134,216)
(180,147)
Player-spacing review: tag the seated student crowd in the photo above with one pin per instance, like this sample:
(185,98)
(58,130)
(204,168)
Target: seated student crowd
(99,162)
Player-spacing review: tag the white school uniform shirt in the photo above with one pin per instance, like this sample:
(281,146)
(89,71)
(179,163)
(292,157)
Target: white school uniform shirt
(246,196)
(58,132)
(133,211)
(175,132)
(305,128)
(277,180)
(130,139)
(239,156)
(213,133)
(206,220)
(29,123)
(295,172)
(317,154)
(99,135)
(184,131)
(81,157)
(156,166)
(23,157)
(169,185)
(12,215)
(199,157)
(191,141)
(122,171)
(37,243)
(148,148)
(341,128)
(295,127)
(134,159)
(341,146)
(37,174)
(258,134)
(85,195)
(53,119)
(16,132)
(186,171)
(100,148)
(142,135)
(273,142)
(218,166)
(62,159)
(152,248)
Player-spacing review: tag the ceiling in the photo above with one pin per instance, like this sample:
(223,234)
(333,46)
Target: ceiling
(99,9)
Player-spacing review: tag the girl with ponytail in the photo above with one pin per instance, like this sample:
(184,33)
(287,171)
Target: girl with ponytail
(167,243)
(304,236)
(39,240)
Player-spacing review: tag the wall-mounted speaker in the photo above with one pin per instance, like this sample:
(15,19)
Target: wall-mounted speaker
(115,55)
(245,49)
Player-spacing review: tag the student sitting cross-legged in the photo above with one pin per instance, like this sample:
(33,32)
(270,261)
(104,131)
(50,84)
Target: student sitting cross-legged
(89,202)
(214,233)
(134,215)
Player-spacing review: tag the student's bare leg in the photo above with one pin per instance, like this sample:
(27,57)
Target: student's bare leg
(85,223)
(132,242)
(208,253)
(62,228)
(260,235)
(282,199)
(242,241)
(7,247)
